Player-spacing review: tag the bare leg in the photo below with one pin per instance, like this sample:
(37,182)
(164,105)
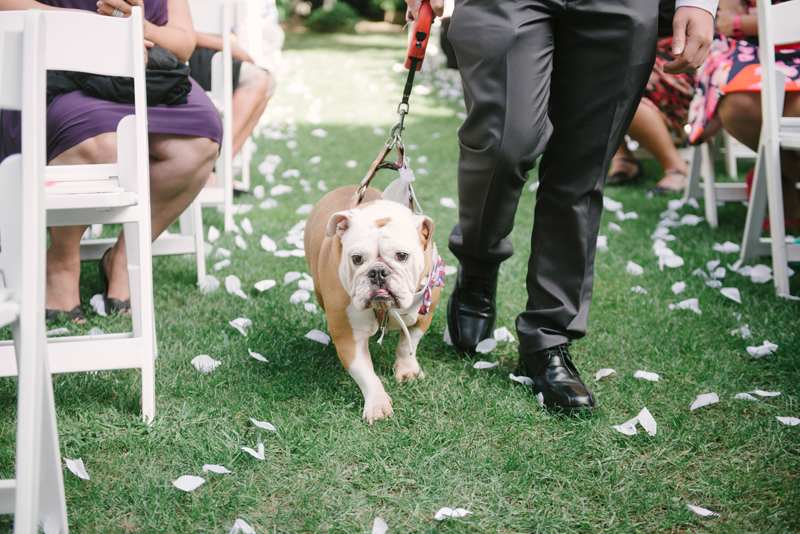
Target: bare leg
(650,131)
(248,106)
(741,117)
(63,256)
(179,166)
(622,161)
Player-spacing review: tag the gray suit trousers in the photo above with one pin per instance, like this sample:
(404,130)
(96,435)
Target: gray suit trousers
(560,78)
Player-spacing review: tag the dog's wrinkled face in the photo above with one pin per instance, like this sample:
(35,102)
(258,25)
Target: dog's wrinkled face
(383,253)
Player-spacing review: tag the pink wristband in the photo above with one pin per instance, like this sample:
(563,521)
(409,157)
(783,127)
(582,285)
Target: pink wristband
(737,27)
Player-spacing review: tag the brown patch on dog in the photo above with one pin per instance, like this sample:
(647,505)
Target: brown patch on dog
(383,222)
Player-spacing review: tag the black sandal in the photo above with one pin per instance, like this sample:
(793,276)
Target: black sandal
(623,178)
(112,305)
(659,191)
(75,315)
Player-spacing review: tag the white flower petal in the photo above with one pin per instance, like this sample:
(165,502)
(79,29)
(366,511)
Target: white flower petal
(188,483)
(77,468)
(634,269)
(485,365)
(262,424)
(704,400)
(214,468)
(678,287)
(521,379)
(256,356)
(791,421)
(652,377)
(732,293)
(263,285)
(301,295)
(702,511)
(319,336)
(486,346)
(259,454)
(447,202)
(213,234)
(603,373)
(205,363)
(762,350)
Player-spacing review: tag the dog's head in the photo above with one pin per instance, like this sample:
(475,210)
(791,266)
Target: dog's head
(383,253)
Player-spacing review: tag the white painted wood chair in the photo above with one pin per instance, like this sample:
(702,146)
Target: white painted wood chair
(215,17)
(777,25)
(110,193)
(36,495)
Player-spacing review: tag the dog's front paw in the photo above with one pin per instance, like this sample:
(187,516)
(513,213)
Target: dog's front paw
(407,369)
(378,408)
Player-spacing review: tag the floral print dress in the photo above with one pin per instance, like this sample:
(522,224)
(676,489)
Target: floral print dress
(733,65)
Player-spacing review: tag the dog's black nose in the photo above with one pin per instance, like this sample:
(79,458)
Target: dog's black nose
(378,274)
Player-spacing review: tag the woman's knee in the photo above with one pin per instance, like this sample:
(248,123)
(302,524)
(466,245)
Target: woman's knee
(95,150)
(740,108)
(192,151)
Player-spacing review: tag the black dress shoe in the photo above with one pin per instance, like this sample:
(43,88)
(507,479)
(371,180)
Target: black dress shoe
(557,379)
(471,311)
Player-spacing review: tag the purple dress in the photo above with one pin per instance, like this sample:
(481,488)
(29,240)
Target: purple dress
(74,117)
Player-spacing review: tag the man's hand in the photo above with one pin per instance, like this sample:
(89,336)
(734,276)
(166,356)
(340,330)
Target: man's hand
(413,8)
(692,33)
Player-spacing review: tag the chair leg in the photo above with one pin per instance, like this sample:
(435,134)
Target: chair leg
(730,156)
(780,261)
(693,188)
(757,208)
(709,187)
(199,243)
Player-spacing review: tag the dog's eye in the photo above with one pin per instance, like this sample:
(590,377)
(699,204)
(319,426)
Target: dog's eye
(357,259)
(401,256)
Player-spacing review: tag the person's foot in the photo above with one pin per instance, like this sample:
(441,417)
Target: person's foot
(115,267)
(557,379)
(625,171)
(62,289)
(471,311)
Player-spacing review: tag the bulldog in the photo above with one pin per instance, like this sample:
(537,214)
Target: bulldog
(365,262)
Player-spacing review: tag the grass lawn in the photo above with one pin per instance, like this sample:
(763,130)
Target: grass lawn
(460,437)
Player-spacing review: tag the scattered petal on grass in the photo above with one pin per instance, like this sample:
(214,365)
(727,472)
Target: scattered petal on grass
(240,323)
(321,186)
(743,332)
(634,269)
(291,173)
(315,160)
(189,483)
(268,244)
(263,285)
(446,337)
(628,427)
(291,144)
(762,393)
(791,421)
(447,202)
(714,284)
(95,332)
(762,350)
(256,356)
(732,293)
(255,454)
(719,272)
(305,209)
(534,186)
(268,204)
(308,285)
(208,284)
(486,346)
(622,216)
(678,287)
(704,400)
(98,303)
(688,304)
(603,373)
(280,189)
(726,248)
(760,274)
(652,377)
(693,203)
(521,379)
(222,264)
(614,227)
(247,226)
(222,253)
(310,307)
(214,468)
(205,363)
(240,242)
(691,220)
(611,204)
(319,132)
(259,192)
(351,164)
(213,234)
(262,424)
(639,289)
(602,243)
(379,526)
(675,204)
(234,286)
(301,295)
(737,316)
(291,276)
(502,334)
(700,272)
(745,396)
(485,365)
(711,265)
(450,270)
(648,422)
(56,332)
(240,525)
(702,511)
(449,512)
(77,468)
(319,336)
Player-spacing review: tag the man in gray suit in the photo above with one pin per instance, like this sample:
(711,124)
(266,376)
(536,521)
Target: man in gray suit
(562,79)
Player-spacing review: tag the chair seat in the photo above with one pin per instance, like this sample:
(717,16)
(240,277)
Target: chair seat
(107,200)
(211,196)
(9,311)
(791,142)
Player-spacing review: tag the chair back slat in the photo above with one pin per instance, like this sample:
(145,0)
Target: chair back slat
(785,23)
(10,62)
(211,16)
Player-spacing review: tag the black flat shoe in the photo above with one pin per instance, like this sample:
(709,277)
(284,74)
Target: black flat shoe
(471,310)
(658,191)
(557,379)
(623,178)
(112,305)
(75,315)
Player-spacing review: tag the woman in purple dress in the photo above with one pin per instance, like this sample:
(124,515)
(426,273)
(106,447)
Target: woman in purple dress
(184,143)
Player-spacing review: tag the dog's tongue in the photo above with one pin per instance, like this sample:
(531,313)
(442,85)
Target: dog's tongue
(381,293)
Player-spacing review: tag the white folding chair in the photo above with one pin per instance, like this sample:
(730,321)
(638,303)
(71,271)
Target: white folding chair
(109,193)
(702,166)
(36,495)
(734,151)
(777,25)
(215,17)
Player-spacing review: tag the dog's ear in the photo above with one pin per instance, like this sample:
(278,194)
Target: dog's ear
(425,227)
(339,223)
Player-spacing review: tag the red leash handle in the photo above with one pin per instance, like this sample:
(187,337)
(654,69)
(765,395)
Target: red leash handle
(419,36)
